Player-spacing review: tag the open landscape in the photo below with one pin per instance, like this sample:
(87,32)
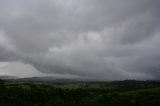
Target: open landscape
(79,52)
(65,92)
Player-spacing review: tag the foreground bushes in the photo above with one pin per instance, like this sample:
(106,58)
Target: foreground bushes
(47,95)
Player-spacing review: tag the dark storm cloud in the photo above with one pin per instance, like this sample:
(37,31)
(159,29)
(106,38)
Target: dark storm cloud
(107,39)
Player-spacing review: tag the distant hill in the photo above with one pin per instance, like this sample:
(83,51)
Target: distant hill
(8,77)
(44,79)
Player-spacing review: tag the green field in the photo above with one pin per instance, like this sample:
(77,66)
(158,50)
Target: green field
(117,93)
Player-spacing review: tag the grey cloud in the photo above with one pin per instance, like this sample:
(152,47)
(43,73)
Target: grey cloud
(105,39)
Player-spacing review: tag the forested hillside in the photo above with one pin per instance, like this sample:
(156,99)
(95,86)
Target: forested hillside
(118,93)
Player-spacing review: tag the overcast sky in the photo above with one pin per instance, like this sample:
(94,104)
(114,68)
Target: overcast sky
(97,39)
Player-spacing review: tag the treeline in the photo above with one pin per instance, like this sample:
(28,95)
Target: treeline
(48,95)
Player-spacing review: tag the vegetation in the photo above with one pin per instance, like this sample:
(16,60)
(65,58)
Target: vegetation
(118,93)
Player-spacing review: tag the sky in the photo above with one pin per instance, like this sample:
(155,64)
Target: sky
(94,39)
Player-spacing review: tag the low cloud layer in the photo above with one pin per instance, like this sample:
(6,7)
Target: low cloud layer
(98,39)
